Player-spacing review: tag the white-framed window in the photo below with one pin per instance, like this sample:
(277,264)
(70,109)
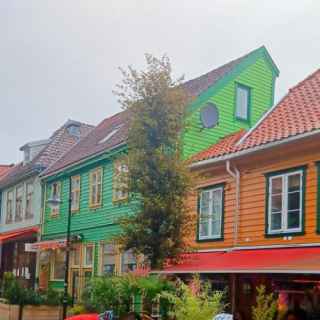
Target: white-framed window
(88,255)
(55,194)
(120,183)
(19,203)
(242,102)
(211,213)
(109,255)
(128,261)
(29,196)
(285,202)
(9,206)
(95,187)
(75,193)
(58,265)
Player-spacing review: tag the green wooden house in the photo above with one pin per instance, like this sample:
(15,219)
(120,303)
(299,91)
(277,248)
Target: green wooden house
(233,96)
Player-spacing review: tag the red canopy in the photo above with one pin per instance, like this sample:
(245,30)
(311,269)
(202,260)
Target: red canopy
(17,234)
(279,260)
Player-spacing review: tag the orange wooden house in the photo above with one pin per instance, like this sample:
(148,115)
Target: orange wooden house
(258,207)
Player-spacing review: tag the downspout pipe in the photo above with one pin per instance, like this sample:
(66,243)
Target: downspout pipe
(235,174)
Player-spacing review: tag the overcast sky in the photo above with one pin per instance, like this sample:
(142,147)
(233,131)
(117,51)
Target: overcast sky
(59,59)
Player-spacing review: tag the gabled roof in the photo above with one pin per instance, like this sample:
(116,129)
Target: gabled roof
(113,131)
(59,143)
(95,143)
(297,114)
(198,85)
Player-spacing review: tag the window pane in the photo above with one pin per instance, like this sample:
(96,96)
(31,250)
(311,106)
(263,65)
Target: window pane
(89,255)
(29,212)
(294,182)
(204,228)
(275,221)
(294,219)
(217,203)
(242,103)
(276,185)
(109,259)
(294,201)
(128,261)
(276,203)
(59,264)
(216,229)
(204,205)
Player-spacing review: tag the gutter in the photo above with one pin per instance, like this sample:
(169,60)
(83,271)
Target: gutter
(81,161)
(248,151)
(236,176)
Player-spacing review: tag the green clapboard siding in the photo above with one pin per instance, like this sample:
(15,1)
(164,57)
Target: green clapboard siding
(94,225)
(259,77)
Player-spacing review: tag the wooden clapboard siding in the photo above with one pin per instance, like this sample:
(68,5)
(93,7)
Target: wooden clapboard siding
(259,77)
(253,194)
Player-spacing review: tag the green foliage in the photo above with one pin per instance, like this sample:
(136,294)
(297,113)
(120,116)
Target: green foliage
(158,178)
(77,309)
(15,293)
(116,293)
(194,303)
(266,305)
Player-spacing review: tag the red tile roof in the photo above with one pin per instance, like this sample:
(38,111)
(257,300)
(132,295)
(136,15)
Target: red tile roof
(59,143)
(4,169)
(93,144)
(296,114)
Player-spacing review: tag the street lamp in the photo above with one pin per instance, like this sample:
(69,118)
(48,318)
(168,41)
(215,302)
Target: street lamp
(53,202)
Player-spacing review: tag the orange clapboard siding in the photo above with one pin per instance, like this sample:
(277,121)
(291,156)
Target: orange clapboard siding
(251,228)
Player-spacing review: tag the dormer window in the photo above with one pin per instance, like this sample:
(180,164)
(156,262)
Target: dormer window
(110,135)
(242,111)
(74,130)
(26,157)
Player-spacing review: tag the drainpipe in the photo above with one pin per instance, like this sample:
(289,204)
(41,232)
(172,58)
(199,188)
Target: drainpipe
(233,277)
(236,176)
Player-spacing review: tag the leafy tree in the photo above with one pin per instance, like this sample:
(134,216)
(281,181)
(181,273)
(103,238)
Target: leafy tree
(266,305)
(157,176)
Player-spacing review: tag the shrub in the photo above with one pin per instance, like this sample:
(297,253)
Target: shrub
(196,302)
(266,305)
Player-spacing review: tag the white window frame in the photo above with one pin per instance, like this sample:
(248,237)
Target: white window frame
(284,212)
(211,236)
(29,183)
(22,213)
(13,207)
(237,111)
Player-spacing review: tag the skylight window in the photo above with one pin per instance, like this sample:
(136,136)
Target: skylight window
(110,135)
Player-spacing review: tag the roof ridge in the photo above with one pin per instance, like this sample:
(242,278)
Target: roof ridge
(299,84)
(225,64)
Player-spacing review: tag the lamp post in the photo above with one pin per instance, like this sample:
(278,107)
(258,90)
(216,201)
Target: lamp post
(52,203)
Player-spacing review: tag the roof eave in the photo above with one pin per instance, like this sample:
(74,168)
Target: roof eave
(249,151)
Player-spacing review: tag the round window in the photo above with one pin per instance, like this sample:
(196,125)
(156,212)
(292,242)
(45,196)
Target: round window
(209,115)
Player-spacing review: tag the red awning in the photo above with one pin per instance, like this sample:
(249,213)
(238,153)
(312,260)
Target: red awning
(286,260)
(17,234)
(49,244)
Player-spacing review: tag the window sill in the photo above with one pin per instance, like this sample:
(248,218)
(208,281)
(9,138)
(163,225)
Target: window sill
(95,206)
(210,239)
(284,234)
